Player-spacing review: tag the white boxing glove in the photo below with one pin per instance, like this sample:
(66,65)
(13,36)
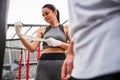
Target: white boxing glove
(18,28)
(53,42)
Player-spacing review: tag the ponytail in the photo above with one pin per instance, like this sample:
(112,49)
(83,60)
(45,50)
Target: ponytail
(58,16)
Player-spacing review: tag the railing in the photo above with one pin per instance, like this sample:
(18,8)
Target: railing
(27,63)
(15,52)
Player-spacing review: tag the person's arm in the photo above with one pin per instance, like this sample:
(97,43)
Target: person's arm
(32,46)
(65,45)
(68,63)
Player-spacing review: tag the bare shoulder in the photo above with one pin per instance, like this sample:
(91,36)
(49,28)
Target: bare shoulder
(66,27)
(40,31)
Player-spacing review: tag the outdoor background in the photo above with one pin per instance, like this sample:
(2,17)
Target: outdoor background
(29,11)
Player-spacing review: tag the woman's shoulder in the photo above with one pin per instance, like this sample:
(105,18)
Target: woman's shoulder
(42,28)
(66,26)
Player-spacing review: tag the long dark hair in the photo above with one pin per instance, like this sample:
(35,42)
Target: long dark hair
(52,7)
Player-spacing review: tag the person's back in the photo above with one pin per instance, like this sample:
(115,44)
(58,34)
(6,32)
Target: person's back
(95,30)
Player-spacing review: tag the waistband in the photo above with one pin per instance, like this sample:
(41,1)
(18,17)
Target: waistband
(53,56)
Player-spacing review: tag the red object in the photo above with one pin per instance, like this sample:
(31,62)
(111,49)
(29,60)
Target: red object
(38,54)
(20,64)
(27,66)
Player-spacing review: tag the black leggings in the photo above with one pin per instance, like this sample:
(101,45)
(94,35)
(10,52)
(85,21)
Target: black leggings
(114,76)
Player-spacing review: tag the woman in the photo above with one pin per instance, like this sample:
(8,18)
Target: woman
(53,53)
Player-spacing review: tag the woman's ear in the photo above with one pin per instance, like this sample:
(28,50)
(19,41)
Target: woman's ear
(55,12)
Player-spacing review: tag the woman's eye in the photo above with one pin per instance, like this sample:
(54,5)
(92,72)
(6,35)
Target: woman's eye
(45,14)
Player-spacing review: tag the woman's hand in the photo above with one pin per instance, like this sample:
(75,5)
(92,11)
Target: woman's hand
(18,28)
(53,42)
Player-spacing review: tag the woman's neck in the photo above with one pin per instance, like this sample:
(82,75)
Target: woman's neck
(54,24)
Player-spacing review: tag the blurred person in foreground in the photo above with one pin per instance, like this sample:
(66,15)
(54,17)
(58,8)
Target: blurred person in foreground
(94,52)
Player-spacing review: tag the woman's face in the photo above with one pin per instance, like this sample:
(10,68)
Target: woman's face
(48,15)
